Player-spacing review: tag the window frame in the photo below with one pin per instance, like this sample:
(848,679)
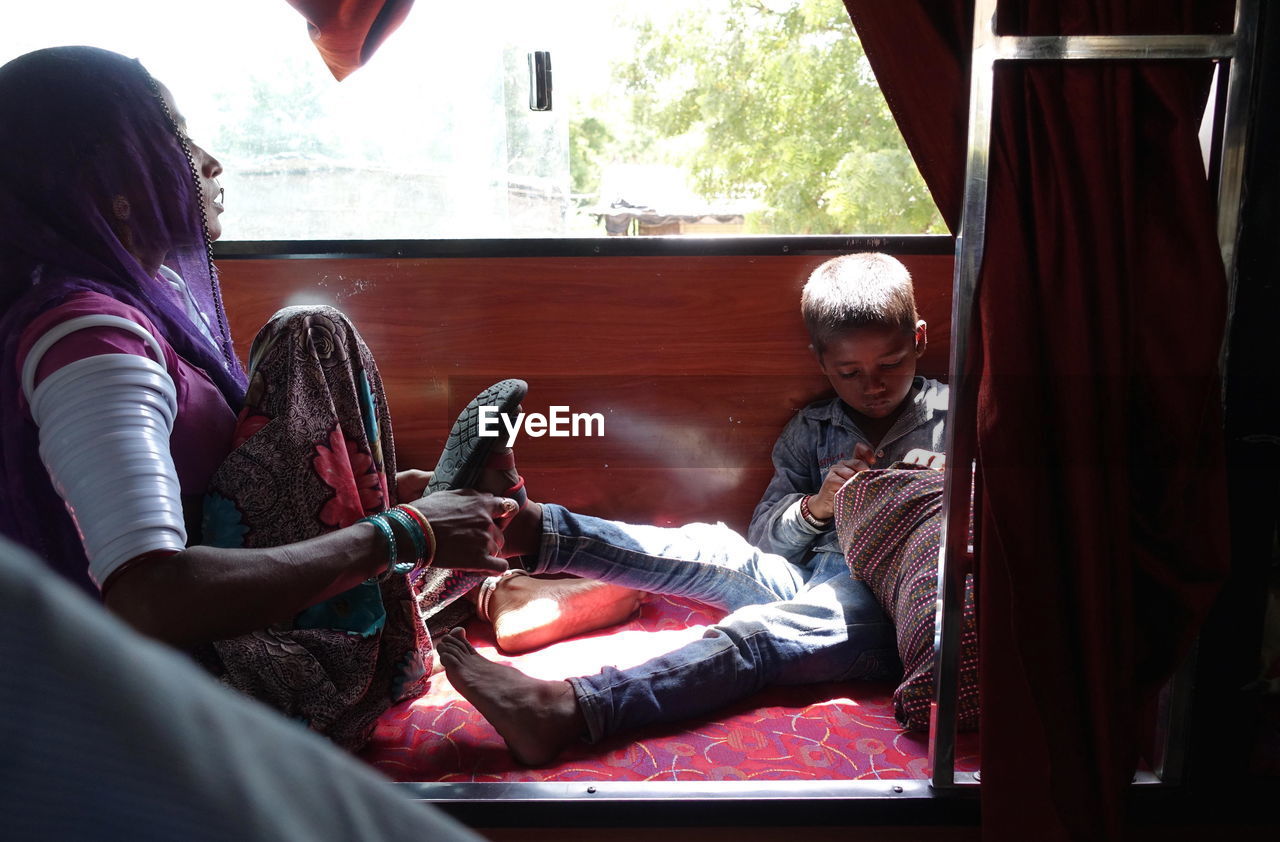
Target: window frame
(642,246)
(774,803)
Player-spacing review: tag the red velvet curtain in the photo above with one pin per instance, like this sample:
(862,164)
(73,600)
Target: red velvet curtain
(1097,328)
(346,32)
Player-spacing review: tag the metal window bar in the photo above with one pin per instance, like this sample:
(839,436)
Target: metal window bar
(1235,51)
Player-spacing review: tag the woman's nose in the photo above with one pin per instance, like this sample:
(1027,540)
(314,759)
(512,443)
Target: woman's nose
(210,167)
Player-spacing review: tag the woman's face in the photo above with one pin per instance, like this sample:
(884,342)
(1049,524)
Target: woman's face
(207,167)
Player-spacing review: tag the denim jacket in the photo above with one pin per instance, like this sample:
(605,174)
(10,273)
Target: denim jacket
(820,435)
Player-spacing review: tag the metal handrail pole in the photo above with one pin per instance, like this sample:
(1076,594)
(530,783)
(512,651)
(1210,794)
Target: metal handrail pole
(962,401)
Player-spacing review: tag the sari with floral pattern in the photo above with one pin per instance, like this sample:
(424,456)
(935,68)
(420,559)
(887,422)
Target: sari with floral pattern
(313,452)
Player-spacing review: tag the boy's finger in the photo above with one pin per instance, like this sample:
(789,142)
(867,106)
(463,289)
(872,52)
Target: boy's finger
(864,453)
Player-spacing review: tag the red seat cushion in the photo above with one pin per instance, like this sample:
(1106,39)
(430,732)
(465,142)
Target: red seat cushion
(798,732)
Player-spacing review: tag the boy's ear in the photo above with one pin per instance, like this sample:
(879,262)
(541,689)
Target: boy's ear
(817,356)
(922,337)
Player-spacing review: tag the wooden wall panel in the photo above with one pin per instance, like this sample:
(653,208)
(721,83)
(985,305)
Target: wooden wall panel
(695,363)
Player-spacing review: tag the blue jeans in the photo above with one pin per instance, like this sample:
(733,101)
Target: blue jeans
(787,623)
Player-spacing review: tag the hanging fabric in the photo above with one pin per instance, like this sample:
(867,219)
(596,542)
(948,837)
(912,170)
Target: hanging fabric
(347,32)
(1098,321)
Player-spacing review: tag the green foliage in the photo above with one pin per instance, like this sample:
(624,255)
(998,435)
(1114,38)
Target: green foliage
(777,103)
(590,141)
(282,116)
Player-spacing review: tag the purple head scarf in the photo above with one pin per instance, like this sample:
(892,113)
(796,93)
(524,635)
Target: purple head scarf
(92,170)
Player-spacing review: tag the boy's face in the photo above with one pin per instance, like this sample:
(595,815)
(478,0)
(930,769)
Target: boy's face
(871,368)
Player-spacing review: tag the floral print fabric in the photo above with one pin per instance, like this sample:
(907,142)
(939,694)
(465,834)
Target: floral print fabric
(313,453)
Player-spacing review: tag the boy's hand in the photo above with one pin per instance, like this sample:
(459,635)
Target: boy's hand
(926,459)
(823,504)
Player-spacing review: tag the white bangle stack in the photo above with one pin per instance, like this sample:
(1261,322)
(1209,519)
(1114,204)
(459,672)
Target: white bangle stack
(104,426)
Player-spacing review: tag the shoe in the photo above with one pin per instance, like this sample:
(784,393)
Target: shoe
(466,452)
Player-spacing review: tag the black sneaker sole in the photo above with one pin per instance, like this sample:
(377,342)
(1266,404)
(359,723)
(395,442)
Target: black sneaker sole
(466,450)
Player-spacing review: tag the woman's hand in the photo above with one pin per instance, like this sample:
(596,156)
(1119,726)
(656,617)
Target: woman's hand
(411,484)
(466,536)
(823,504)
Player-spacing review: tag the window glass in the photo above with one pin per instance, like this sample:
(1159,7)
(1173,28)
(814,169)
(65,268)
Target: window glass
(717,117)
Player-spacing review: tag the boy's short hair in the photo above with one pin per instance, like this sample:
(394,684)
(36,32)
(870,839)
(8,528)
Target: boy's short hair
(857,291)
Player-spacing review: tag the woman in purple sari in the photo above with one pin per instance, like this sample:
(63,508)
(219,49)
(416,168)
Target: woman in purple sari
(255,518)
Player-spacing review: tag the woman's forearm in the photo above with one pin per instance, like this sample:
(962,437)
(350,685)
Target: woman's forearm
(205,593)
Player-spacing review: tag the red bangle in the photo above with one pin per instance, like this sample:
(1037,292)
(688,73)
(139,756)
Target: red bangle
(427,532)
(808,515)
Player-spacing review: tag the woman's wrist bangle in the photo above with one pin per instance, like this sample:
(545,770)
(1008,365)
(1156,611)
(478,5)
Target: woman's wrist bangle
(415,535)
(380,523)
(428,534)
(807,515)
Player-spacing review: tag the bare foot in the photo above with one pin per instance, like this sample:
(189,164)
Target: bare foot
(536,718)
(528,612)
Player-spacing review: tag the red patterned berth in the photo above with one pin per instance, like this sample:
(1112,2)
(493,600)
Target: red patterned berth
(711,354)
(814,732)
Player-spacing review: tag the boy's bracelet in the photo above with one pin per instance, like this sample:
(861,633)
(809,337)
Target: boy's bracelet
(807,515)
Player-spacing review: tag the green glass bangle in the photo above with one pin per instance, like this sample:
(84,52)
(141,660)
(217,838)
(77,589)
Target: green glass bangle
(387,532)
(415,535)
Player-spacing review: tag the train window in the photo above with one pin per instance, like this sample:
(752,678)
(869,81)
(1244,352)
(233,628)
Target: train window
(719,117)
